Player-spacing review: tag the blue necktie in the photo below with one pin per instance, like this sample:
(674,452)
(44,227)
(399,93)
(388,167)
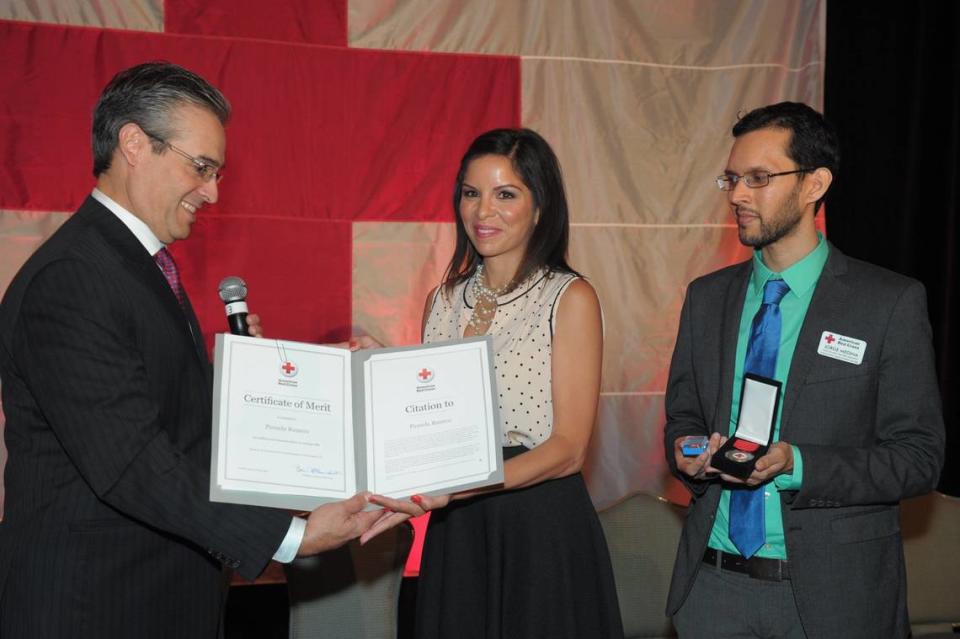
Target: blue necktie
(746,505)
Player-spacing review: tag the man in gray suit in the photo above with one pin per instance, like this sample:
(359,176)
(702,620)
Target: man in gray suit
(809,545)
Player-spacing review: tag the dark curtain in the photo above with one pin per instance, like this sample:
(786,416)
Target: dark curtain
(893,92)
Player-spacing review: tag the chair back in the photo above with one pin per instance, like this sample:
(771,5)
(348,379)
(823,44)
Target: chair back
(350,592)
(642,535)
(930,526)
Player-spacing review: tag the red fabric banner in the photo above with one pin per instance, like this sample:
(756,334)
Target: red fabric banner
(317,132)
(298,273)
(320,136)
(305,21)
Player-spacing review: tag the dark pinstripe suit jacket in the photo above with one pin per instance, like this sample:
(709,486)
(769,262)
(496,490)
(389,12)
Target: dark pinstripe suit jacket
(869,434)
(106,386)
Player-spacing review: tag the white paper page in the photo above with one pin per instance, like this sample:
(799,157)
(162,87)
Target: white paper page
(288,425)
(757,408)
(428,419)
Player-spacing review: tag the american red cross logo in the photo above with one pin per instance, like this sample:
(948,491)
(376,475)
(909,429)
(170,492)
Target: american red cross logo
(289,369)
(425,375)
(829,339)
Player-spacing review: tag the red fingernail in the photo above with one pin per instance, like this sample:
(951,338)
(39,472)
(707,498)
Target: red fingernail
(417,499)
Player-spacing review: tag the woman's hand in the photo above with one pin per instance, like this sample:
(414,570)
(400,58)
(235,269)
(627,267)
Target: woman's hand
(359,343)
(397,511)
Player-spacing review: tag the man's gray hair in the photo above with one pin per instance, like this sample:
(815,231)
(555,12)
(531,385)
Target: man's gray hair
(146,95)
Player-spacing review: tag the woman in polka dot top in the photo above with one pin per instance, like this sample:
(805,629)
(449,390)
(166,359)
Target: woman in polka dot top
(528,558)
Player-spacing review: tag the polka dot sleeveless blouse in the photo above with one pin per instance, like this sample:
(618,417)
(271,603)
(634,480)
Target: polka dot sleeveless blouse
(522,332)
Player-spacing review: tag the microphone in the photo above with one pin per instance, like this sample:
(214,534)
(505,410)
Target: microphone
(233,292)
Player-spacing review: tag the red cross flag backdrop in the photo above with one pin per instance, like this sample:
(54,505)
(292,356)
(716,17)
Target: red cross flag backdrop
(349,121)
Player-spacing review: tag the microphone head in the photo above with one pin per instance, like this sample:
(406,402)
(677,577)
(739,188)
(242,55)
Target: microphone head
(232,289)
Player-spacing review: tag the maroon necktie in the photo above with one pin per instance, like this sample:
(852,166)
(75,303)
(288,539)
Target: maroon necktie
(165,261)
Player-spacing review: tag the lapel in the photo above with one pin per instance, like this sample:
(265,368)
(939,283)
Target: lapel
(733,300)
(826,308)
(141,265)
(194,325)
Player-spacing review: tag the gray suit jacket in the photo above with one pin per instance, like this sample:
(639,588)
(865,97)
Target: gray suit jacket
(869,434)
(109,531)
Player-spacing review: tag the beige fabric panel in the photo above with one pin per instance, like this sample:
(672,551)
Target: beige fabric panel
(138,15)
(641,144)
(641,276)
(21,232)
(674,32)
(638,99)
(626,454)
(395,265)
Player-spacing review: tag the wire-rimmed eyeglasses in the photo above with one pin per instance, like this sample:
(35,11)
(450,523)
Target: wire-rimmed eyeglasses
(205,170)
(753,179)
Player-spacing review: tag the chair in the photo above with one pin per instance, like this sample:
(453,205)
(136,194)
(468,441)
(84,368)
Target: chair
(642,534)
(930,526)
(350,592)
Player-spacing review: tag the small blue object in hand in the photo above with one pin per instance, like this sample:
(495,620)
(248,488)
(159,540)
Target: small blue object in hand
(693,445)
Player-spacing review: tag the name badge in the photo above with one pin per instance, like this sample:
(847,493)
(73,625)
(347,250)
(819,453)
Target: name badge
(846,349)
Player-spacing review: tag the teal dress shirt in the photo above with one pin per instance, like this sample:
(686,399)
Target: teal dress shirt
(802,278)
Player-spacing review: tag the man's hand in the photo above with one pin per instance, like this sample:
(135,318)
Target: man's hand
(698,467)
(332,525)
(253,325)
(777,461)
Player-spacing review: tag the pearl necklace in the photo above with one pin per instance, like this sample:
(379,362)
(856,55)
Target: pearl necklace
(485,302)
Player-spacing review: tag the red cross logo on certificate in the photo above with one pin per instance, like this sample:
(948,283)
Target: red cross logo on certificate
(289,369)
(425,375)
(829,339)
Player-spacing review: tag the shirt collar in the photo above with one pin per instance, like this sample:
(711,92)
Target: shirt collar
(137,226)
(801,277)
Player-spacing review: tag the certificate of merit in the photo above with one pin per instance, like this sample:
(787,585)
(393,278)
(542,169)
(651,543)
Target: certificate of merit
(296,425)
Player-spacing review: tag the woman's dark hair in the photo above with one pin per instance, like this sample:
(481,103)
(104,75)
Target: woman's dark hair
(536,164)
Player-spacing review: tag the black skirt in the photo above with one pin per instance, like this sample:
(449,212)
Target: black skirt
(524,563)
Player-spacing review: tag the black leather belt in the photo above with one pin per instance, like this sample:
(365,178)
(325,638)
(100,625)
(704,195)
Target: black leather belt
(755,567)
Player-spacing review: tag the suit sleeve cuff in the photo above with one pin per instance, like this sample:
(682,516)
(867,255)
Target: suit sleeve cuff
(287,551)
(794,480)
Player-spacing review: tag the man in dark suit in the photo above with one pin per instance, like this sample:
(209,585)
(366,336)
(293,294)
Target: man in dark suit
(108,530)
(809,545)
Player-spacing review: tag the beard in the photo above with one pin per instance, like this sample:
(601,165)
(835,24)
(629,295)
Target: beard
(778,226)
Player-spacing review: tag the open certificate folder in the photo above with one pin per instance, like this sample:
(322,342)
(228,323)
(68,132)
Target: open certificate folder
(296,425)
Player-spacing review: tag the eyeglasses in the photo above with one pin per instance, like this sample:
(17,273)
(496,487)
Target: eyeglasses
(205,170)
(754,179)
